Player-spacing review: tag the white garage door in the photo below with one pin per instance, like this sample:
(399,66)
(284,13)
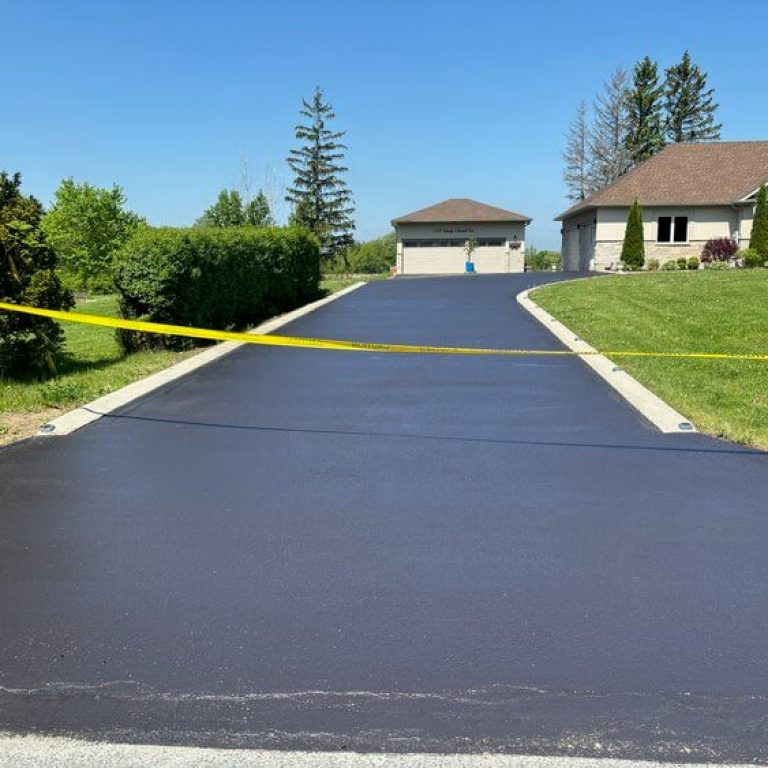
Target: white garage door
(437,260)
(433,261)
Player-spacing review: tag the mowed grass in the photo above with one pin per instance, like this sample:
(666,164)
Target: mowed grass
(92,365)
(705,311)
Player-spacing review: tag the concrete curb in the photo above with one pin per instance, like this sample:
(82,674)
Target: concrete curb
(79,417)
(42,751)
(662,416)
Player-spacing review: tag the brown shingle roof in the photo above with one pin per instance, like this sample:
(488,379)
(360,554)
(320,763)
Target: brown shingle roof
(687,174)
(459,209)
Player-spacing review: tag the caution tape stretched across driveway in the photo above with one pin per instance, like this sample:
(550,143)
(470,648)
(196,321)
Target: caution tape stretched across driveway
(274,340)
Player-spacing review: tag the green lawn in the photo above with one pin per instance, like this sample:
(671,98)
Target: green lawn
(705,311)
(93,364)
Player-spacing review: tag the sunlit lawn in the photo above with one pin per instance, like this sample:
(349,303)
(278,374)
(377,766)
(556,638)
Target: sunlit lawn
(705,311)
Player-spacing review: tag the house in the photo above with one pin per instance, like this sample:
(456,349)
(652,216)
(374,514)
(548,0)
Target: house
(433,240)
(689,193)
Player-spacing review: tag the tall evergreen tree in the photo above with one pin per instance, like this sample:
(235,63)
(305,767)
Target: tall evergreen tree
(608,137)
(633,247)
(645,131)
(689,104)
(576,156)
(320,196)
(759,238)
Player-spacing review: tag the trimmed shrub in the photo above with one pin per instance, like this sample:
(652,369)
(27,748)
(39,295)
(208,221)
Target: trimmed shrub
(652,265)
(718,249)
(669,266)
(752,258)
(718,266)
(682,263)
(213,278)
(759,238)
(633,247)
(693,263)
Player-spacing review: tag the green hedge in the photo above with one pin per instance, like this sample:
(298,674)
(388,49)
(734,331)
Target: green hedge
(213,278)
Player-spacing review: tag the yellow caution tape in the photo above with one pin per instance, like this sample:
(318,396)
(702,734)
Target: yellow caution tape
(273,340)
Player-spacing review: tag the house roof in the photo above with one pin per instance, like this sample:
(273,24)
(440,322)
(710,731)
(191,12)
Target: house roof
(717,173)
(459,209)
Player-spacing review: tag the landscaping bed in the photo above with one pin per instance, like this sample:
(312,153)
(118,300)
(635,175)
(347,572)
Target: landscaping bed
(703,311)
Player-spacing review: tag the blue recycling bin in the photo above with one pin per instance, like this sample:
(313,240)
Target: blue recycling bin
(469,267)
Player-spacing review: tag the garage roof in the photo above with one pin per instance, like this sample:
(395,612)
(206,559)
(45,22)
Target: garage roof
(716,173)
(459,209)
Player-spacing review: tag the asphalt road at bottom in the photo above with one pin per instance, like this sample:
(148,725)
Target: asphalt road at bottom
(302,549)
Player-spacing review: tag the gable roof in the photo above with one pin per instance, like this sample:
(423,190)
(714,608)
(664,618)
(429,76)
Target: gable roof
(459,209)
(717,173)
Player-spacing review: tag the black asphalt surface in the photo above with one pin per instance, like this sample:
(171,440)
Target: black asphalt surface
(301,548)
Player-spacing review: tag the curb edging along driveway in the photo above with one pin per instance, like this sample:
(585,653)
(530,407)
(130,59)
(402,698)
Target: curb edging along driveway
(89,412)
(665,418)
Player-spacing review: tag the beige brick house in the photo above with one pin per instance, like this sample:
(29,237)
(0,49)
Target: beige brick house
(690,193)
(432,240)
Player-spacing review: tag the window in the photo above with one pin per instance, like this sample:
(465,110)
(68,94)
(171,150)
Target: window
(672,229)
(681,229)
(664,234)
(452,243)
(496,241)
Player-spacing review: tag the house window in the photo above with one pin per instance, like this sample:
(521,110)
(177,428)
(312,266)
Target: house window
(672,229)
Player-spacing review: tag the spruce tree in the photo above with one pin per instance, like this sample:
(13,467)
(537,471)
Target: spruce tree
(633,248)
(758,241)
(645,133)
(689,104)
(27,276)
(320,196)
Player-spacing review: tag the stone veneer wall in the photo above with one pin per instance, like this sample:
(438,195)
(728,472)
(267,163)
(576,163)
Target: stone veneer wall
(608,254)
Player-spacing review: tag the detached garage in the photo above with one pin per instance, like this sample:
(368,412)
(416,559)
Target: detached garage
(432,241)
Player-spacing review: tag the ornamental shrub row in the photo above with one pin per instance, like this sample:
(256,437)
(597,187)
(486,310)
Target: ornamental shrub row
(213,278)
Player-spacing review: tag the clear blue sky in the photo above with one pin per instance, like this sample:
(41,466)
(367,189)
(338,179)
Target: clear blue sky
(439,99)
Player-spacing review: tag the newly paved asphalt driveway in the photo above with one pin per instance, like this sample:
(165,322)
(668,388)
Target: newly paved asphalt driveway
(338,550)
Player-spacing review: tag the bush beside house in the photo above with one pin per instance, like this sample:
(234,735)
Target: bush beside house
(719,249)
(633,248)
(213,278)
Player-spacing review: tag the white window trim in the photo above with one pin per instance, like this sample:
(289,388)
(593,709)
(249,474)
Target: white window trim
(672,241)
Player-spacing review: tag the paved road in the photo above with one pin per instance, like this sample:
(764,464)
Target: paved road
(328,550)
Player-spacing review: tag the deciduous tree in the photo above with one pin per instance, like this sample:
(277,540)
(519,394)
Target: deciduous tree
(609,157)
(257,212)
(86,226)
(576,156)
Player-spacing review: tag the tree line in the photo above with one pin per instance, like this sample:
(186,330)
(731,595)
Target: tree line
(46,256)
(633,118)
